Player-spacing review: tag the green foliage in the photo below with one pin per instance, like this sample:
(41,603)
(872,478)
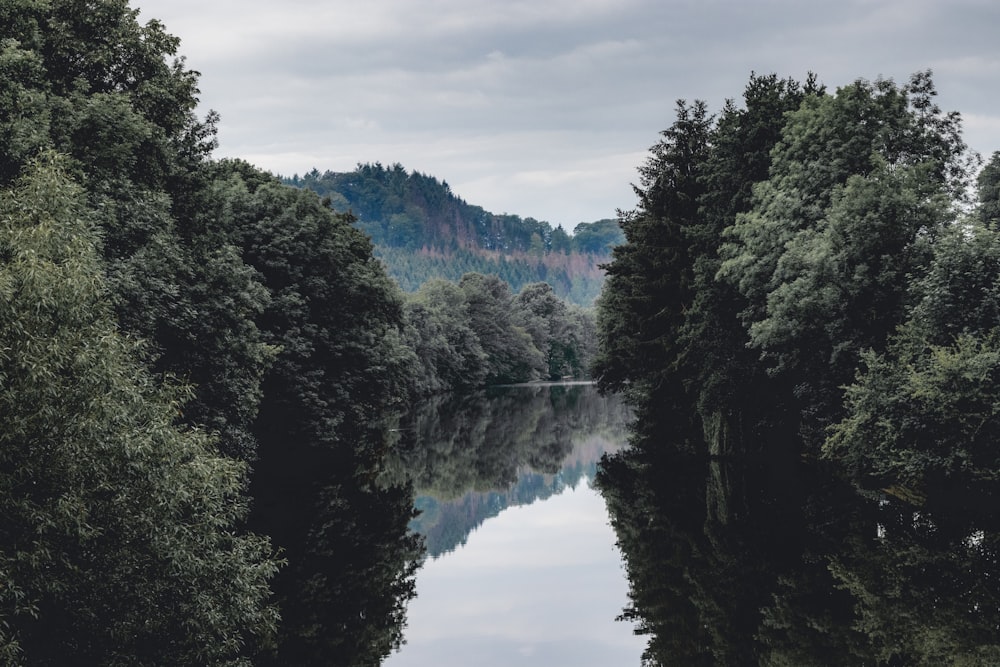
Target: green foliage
(402,209)
(775,245)
(86,79)
(423,231)
(476,333)
(336,322)
(91,82)
(557,331)
(118,529)
(511,355)
(989,191)
(959,293)
(195,299)
(731,390)
(860,184)
(648,289)
(597,238)
(920,416)
(271,307)
(448,352)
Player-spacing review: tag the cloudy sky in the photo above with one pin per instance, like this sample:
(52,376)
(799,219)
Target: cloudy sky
(544,108)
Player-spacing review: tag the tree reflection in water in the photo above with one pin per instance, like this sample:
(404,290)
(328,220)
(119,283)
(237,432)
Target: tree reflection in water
(350,559)
(340,514)
(745,563)
(472,456)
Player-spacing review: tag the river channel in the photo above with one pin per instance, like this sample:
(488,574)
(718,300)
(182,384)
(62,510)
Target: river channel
(521,564)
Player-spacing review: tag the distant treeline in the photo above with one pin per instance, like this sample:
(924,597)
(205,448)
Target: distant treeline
(477,333)
(421,230)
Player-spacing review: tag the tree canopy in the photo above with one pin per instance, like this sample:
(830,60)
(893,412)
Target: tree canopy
(810,264)
(422,230)
(119,524)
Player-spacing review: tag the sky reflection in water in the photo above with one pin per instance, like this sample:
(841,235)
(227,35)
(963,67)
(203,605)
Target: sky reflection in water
(540,584)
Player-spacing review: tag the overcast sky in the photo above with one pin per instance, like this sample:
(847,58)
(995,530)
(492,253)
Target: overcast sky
(544,108)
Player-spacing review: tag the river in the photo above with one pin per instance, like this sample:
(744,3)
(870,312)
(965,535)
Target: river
(488,533)
(521,565)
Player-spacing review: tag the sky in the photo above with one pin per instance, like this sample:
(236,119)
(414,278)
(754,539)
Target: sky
(544,108)
(540,584)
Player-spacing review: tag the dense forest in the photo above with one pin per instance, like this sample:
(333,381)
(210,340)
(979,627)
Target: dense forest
(820,264)
(197,367)
(200,364)
(421,230)
(806,317)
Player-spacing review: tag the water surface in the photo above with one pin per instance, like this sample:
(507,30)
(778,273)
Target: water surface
(526,571)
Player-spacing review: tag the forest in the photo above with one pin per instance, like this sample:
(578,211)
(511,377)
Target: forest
(816,272)
(421,230)
(200,363)
(197,367)
(805,316)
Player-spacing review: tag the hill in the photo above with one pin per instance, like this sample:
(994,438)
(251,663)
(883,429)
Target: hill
(422,230)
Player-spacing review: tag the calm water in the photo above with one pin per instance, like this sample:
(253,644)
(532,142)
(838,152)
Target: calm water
(522,566)
(751,562)
(511,559)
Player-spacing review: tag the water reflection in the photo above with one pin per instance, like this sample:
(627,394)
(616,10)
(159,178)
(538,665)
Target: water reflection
(471,457)
(350,559)
(524,569)
(743,563)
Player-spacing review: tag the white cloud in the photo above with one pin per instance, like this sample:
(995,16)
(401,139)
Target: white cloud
(535,106)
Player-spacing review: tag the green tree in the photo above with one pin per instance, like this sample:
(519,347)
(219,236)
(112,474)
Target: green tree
(919,415)
(558,332)
(859,185)
(597,238)
(87,79)
(336,319)
(989,191)
(734,396)
(446,347)
(511,355)
(118,529)
(561,242)
(103,89)
(649,284)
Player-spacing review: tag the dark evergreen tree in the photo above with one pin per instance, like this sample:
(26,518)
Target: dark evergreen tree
(989,191)
(650,280)
(735,398)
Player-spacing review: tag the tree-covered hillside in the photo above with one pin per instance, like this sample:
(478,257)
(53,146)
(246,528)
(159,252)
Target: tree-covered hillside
(421,230)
